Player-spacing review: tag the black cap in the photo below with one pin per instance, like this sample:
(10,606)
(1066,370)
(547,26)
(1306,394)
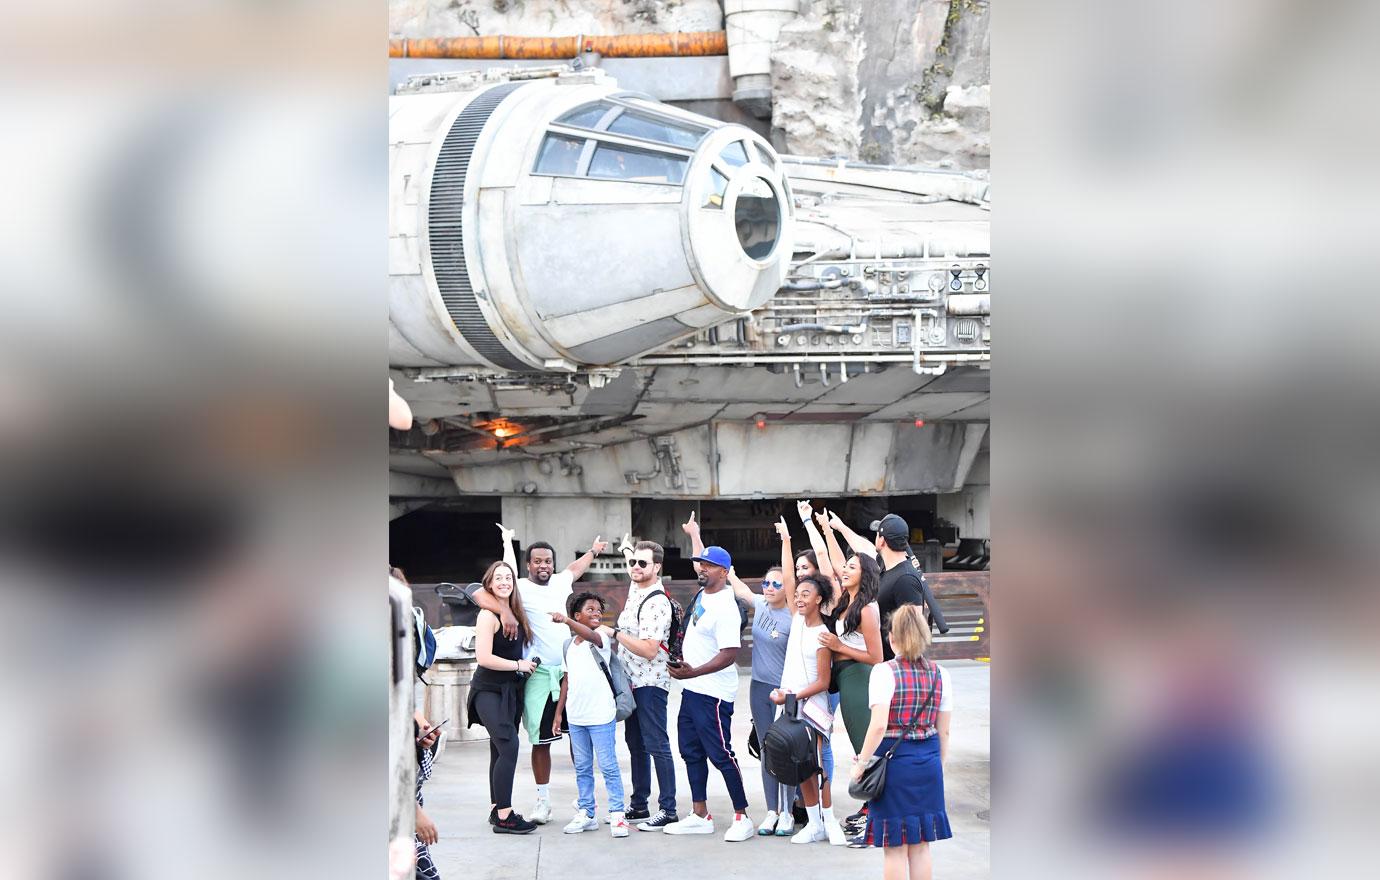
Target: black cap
(892,529)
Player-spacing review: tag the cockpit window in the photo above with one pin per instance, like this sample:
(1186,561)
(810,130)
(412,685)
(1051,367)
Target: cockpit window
(587,116)
(718,185)
(734,154)
(652,129)
(643,166)
(559,155)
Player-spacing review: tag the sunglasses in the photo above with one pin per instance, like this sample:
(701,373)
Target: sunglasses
(774,584)
(641,563)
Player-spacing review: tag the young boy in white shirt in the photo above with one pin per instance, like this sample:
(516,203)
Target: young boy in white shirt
(587,703)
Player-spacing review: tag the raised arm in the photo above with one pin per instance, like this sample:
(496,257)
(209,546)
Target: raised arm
(816,540)
(787,562)
(740,589)
(856,542)
(836,557)
(577,568)
(509,555)
(692,528)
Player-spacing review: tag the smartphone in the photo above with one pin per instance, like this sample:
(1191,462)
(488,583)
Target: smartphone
(425,733)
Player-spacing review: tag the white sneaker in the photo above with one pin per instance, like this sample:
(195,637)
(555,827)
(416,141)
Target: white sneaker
(541,813)
(582,822)
(739,829)
(834,830)
(813,832)
(785,826)
(691,824)
(768,826)
(618,826)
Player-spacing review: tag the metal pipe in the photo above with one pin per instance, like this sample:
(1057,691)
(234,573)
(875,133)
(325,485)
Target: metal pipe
(829,284)
(969,304)
(678,44)
(824,373)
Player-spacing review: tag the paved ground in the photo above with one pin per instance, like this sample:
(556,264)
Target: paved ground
(457,799)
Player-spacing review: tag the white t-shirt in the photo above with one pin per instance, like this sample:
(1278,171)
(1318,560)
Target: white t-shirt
(588,698)
(717,628)
(801,668)
(539,601)
(881,686)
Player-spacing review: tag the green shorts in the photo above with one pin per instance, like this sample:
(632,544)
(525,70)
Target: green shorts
(539,696)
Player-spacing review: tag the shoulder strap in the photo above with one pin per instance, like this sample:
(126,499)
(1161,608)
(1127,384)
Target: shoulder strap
(914,722)
(604,667)
(656,592)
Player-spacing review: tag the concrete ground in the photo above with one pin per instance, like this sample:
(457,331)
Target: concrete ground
(457,800)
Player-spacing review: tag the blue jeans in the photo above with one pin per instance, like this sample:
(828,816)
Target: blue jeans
(587,743)
(704,732)
(649,742)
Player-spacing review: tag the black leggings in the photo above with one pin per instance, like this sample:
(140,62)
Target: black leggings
(503,746)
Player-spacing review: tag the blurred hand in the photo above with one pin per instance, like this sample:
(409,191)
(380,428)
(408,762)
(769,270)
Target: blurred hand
(558,617)
(834,521)
(805,509)
(783,531)
(526,666)
(830,641)
(556,725)
(778,696)
(599,545)
(506,534)
(426,829)
(626,546)
(679,672)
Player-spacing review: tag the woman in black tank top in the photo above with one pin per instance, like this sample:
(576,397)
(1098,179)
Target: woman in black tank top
(496,695)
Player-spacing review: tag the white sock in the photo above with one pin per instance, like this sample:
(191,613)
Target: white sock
(542,794)
(815,814)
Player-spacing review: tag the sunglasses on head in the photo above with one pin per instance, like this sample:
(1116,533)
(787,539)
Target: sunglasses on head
(641,563)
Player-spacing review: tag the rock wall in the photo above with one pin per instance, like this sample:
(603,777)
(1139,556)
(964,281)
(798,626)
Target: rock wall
(886,81)
(457,18)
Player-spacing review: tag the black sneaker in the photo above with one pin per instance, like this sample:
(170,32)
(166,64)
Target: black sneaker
(493,815)
(855,823)
(858,841)
(659,821)
(514,824)
(637,814)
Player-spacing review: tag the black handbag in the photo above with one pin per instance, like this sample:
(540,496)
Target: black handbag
(869,786)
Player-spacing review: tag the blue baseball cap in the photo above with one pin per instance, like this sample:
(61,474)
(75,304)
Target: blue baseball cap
(715,556)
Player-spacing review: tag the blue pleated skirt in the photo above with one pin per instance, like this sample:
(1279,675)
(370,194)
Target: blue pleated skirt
(911,808)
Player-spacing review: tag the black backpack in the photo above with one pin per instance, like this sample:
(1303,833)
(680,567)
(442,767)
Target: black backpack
(788,749)
(675,637)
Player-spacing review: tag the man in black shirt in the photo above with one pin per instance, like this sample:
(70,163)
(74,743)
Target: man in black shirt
(902,583)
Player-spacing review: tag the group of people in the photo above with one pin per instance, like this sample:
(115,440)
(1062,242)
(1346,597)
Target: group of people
(840,627)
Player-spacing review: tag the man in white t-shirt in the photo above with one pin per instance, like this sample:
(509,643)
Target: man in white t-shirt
(544,591)
(709,673)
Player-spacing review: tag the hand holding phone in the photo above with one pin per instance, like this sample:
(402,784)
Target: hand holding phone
(433,729)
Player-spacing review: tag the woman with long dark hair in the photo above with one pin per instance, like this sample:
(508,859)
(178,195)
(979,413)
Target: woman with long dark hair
(496,694)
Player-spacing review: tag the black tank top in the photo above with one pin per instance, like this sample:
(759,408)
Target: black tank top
(508,649)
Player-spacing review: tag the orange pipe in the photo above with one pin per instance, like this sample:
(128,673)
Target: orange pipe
(669,45)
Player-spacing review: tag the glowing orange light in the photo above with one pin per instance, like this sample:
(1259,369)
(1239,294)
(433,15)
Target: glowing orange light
(504,432)
(761,423)
(919,423)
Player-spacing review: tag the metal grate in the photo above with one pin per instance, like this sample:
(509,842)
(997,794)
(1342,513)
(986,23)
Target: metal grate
(444,220)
